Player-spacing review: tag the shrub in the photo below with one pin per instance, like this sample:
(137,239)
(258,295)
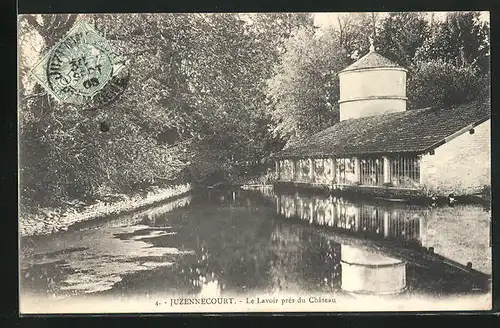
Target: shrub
(438,83)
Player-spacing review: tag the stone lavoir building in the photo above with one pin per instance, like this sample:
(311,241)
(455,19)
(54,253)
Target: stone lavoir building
(380,147)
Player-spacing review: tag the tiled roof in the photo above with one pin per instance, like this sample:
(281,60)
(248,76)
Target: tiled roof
(370,60)
(412,131)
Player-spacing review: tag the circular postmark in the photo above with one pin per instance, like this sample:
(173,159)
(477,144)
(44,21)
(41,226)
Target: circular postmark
(82,69)
(110,92)
(77,67)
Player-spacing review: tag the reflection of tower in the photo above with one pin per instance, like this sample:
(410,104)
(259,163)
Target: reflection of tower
(367,272)
(209,287)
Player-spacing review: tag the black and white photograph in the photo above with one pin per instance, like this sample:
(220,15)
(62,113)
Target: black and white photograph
(249,162)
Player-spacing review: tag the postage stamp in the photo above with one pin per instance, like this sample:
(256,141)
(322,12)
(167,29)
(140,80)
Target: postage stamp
(82,69)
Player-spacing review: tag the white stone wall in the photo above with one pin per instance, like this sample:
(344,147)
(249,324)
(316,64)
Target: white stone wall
(372,82)
(359,90)
(461,166)
(370,107)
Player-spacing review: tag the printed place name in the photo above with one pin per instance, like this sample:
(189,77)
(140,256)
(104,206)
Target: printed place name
(247,300)
(200,301)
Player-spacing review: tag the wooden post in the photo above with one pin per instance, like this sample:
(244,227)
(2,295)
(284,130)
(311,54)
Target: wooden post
(278,170)
(333,171)
(387,169)
(293,170)
(357,169)
(297,169)
(311,169)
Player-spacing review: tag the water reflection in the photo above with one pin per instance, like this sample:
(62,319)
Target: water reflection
(92,259)
(389,221)
(390,237)
(242,241)
(460,233)
(368,272)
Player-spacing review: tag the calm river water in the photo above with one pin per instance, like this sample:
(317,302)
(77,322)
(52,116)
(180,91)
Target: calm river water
(259,241)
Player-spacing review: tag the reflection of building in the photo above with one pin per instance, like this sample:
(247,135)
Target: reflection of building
(445,228)
(388,235)
(403,223)
(371,273)
(379,146)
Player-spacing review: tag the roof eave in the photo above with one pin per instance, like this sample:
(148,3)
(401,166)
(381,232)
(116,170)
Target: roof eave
(456,134)
(372,68)
(352,154)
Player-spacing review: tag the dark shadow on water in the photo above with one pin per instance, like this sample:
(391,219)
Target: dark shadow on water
(241,241)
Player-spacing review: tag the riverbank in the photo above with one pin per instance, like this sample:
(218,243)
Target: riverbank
(45,221)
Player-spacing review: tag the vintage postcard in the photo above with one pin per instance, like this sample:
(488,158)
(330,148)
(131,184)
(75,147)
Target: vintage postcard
(254,162)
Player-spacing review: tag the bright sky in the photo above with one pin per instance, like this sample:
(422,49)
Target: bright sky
(326,19)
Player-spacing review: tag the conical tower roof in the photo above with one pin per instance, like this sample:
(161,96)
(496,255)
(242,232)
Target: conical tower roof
(371,60)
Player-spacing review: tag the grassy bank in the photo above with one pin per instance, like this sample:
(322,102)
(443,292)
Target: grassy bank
(42,221)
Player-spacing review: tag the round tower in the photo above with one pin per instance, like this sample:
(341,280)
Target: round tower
(373,85)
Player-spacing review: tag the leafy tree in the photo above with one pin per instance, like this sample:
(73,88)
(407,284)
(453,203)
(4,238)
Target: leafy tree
(461,39)
(227,81)
(438,83)
(271,30)
(400,35)
(194,98)
(210,91)
(452,65)
(75,158)
(305,90)
(354,31)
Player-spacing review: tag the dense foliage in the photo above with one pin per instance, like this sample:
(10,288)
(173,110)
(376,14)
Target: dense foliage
(438,83)
(304,92)
(193,105)
(447,60)
(208,93)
